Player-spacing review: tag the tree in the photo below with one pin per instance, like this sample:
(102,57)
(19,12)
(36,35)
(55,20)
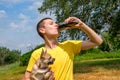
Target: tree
(106,45)
(3,54)
(7,56)
(95,13)
(114,31)
(13,56)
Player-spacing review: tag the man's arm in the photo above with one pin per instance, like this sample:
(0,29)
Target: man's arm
(94,39)
(27,76)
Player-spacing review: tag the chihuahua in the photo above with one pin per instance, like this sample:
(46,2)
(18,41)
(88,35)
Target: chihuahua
(41,69)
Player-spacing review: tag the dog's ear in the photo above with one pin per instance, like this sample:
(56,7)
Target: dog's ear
(45,51)
(42,53)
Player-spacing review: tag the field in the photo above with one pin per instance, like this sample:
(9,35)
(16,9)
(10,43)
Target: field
(12,72)
(101,69)
(86,67)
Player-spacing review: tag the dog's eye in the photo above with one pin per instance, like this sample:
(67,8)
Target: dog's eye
(50,57)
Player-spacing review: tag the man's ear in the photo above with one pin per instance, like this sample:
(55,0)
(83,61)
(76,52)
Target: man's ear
(42,30)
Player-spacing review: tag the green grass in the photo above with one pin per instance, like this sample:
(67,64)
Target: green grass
(12,72)
(86,68)
(88,65)
(97,55)
(97,64)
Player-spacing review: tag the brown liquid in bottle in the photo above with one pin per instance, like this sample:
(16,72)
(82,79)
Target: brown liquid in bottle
(63,26)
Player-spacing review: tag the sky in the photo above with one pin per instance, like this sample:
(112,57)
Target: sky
(18,19)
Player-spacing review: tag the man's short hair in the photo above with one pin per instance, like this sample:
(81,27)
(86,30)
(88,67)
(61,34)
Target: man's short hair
(40,24)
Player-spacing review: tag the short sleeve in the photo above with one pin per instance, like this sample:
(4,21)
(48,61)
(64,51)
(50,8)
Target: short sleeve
(75,45)
(35,55)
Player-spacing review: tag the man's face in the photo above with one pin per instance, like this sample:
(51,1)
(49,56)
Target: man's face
(51,28)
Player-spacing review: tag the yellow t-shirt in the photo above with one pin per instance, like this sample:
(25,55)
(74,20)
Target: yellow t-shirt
(64,55)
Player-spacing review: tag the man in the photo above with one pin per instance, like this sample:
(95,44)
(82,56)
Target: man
(62,52)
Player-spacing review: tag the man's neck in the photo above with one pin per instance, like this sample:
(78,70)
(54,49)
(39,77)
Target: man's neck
(50,43)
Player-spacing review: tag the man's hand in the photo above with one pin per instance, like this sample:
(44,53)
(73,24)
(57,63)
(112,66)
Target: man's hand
(74,19)
(27,75)
(49,75)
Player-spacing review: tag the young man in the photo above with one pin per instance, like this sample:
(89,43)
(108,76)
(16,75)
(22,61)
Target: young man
(62,52)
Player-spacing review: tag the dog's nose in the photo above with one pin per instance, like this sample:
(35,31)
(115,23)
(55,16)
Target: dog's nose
(51,61)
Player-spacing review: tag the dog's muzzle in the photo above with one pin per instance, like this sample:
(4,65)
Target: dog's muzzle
(51,61)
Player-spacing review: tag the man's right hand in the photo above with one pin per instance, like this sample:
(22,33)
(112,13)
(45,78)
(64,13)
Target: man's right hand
(27,75)
(50,75)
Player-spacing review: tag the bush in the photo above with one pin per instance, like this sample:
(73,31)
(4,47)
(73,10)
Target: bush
(24,59)
(7,56)
(11,58)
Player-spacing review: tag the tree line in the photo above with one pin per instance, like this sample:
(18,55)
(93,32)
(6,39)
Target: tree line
(8,56)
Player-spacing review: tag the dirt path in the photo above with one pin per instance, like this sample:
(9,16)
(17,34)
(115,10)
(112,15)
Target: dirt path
(98,75)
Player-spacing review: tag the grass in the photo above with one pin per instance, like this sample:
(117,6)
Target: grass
(102,69)
(92,55)
(86,66)
(90,66)
(12,72)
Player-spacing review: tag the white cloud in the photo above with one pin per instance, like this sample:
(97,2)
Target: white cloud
(22,24)
(13,25)
(2,13)
(35,5)
(23,20)
(2,41)
(22,16)
(34,9)
(11,1)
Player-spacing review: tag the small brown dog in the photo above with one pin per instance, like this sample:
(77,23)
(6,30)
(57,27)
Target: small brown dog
(41,69)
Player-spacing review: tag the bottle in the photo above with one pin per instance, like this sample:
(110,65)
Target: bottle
(63,25)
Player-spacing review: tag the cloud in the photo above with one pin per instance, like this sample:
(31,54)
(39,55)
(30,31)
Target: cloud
(13,25)
(9,3)
(18,25)
(25,45)
(2,13)
(35,5)
(24,19)
(2,41)
(22,16)
(22,22)
(34,9)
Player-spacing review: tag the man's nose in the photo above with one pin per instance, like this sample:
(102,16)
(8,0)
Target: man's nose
(56,24)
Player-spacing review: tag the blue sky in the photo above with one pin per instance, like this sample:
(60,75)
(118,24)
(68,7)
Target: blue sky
(18,19)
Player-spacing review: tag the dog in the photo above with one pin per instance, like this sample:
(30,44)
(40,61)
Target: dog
(41,69)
